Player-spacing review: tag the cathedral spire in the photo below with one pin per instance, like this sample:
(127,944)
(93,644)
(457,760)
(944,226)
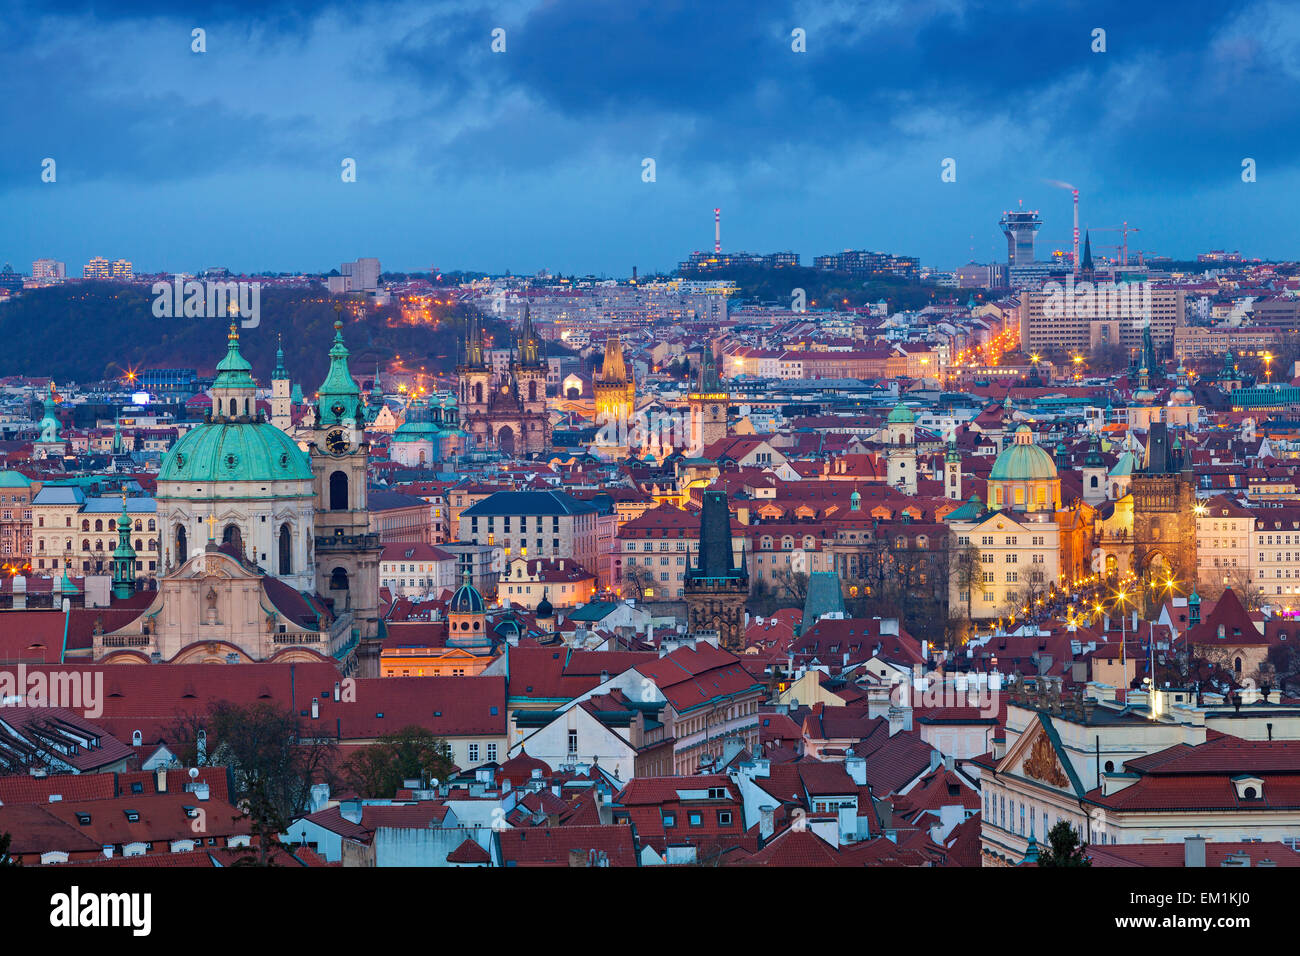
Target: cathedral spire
(123,557)
(338,397)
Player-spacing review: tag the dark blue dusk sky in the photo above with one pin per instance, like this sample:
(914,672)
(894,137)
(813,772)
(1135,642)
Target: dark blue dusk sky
(532,158)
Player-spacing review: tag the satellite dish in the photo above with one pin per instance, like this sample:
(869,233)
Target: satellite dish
(194,773)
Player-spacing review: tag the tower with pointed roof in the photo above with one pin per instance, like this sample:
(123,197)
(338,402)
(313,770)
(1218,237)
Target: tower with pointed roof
(952,469)
(615,397)
(346,551)
(281,394)
(1164,519)
(714,587)
(504,412)
(1086,270)
(123,557)
(49,444)
(1094,473)
(709,403)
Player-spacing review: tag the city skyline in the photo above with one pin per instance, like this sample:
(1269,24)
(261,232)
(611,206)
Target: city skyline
(532,157)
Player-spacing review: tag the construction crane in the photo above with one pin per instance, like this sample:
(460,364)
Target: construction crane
(1125,229)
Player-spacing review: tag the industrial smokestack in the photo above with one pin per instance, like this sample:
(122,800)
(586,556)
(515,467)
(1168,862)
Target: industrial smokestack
(717,231)
(1076,230)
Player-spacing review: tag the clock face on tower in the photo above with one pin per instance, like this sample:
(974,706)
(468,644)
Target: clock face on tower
(336,442)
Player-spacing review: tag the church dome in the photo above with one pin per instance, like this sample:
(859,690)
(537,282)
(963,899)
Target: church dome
(902,415)
(466,600)
(1023,461)
(235,451)
(544,609)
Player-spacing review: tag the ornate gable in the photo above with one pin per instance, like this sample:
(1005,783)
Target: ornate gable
(1034,757)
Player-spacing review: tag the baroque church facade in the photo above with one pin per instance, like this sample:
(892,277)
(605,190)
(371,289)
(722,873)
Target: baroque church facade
(268,553)
(504,412)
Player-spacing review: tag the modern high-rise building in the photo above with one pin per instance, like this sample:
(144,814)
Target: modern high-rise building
(1019,226)
(1073,318)
(49,270)
(122,269)
(97,268)
(361,276)
(861,262)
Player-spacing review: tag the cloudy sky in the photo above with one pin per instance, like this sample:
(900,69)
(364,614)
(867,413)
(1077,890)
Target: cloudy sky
(533,158)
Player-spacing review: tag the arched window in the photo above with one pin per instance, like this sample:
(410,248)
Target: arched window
(85,544)
(230,535)
(1110,766)
(532,391)
(286,543)
(85,525)
(139,525)
(99,525)
(1236,665)
(478,392)
(234,407)
(181,551)
(338,580)
(339,491)
(1092,482)
(153,544)
(151,527)
(246,411)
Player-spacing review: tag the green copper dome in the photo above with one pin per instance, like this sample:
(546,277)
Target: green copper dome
(1023,461)
(338,397)
(234,371)
(418,425)
(235,451)
(902,415)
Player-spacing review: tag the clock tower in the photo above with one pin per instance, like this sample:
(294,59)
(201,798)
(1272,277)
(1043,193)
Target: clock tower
(346,552)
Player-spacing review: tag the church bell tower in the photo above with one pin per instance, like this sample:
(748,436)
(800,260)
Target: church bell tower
(346,552)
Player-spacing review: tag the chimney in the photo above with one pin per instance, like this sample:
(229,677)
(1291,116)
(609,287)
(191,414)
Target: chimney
(1194,851)
(315,708)
(350,810)
(604,676)
(160,779)
(767,821)
(337,687)
(856,767)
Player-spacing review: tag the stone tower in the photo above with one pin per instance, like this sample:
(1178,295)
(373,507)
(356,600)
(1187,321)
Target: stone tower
(346,552)
(709,402)
(281,395)
(715,589)
(1164,522)
(952,469)
(899,434)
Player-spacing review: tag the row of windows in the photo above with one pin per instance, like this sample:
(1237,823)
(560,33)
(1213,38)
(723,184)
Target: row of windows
(100,544)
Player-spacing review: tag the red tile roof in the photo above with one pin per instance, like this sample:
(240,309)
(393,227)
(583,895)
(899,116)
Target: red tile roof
(558,846)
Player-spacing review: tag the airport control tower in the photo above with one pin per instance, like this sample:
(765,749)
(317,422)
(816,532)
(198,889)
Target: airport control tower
(1019,226)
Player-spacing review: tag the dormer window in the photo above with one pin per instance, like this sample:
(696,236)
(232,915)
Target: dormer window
(1249,787)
